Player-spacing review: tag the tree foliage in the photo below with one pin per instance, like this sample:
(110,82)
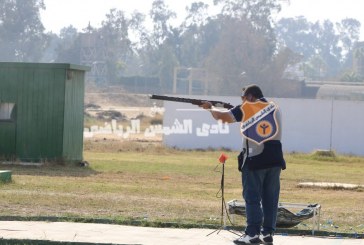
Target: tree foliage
(116,40)
(330,43)
(238,52)
(22,35)
(68,48)
(240,44)
(161,16)
(246,43)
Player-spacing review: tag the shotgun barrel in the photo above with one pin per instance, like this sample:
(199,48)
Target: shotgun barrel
(191,101)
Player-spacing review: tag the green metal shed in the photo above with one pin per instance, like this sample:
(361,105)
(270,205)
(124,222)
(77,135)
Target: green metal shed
(41,111)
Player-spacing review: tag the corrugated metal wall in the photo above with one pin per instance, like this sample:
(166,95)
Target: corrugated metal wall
(73,117)
(42,116)
(7,139)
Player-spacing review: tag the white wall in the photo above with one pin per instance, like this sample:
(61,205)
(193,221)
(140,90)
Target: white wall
(308,125)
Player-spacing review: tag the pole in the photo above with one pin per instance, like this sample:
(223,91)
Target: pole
(222,194)
(222,160)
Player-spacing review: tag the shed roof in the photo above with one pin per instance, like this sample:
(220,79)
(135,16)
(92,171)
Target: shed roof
(44,65)
(343,91)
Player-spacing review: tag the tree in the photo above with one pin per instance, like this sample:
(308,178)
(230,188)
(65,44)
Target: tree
(68,49)
(161,16)
(349,34)
(328,47)
(158,50)
(119,49)
(296,34)
(198,34)
(332,42)
(316,68)
(21,30)
(352,77)
(273,74)
(245,51)
(196,15)
(246,43)
(257,12)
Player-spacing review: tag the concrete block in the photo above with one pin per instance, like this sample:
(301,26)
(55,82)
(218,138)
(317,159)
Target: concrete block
(5,176)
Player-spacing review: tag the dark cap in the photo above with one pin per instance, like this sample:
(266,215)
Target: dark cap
(253,90)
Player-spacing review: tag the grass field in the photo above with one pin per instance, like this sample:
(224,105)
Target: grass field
(146,182)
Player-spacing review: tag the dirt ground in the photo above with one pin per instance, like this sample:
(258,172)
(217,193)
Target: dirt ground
(131,106)
(115,98)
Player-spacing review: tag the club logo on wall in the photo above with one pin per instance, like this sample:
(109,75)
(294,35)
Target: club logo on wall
(259,122)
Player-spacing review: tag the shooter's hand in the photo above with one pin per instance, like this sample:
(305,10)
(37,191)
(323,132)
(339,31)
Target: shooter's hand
(206,105)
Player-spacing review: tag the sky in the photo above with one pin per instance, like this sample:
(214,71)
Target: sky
(79,13)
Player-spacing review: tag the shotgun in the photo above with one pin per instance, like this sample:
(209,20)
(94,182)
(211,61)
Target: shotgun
(191,101)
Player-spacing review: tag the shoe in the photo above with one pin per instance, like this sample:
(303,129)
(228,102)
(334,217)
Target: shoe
(266,239)
(246,239)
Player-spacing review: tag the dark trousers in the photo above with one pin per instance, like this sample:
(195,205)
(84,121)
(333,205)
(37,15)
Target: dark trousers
(261,194)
